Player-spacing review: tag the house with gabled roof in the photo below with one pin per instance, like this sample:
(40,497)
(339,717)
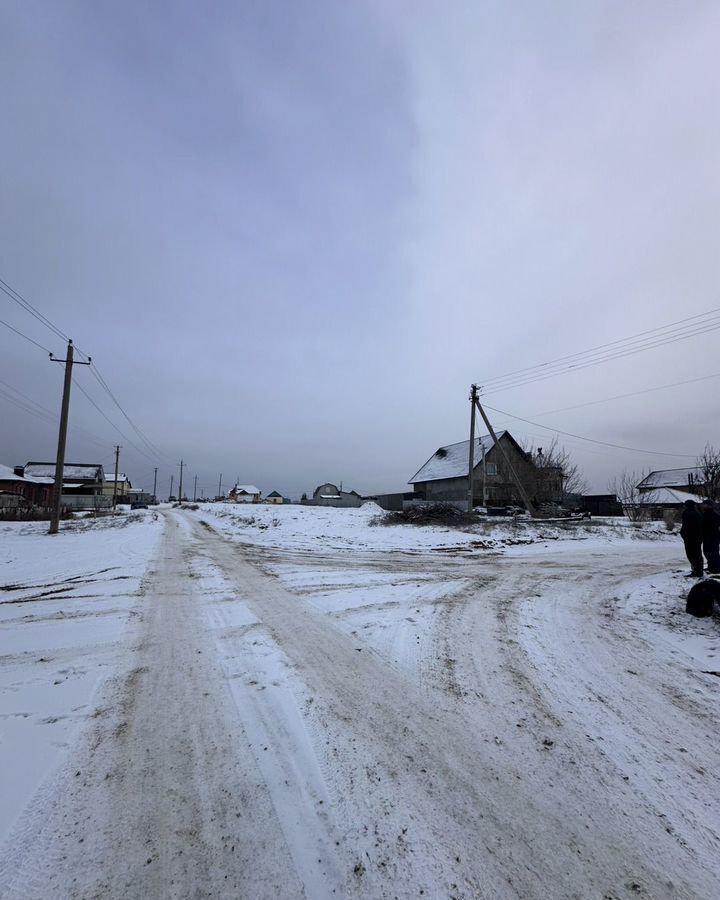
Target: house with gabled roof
(244,493)
(688,478)
(330,494)
(17,490)
(124,485)
(274,497)
(444,477)
(78,478)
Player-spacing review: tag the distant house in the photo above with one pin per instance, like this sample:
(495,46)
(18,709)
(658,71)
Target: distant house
(689,479)
(656,504)
(16,490)
(78,478)
(445,475)
(329,494)
(244,493)
(274,497)
(124,486)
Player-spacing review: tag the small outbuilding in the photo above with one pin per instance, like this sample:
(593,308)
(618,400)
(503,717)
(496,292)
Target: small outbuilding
(329,494)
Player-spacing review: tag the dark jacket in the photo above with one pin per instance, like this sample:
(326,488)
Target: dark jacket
(710,526)
(692,524)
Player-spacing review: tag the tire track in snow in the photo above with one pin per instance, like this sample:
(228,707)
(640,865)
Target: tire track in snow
(431,800)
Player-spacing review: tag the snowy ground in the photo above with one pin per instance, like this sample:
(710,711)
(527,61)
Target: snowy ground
(286,702)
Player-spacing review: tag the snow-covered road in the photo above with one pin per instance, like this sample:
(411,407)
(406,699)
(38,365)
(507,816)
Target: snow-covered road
(388,723)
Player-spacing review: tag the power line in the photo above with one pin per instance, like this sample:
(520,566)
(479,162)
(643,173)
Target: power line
(605,347)
(25,304)
(101,381)
(631,394)
(28,399)
(628,346)
(584,364)
(26,407)
(592,362)
(22,335)
(28,307)
(590,440)
(111,423)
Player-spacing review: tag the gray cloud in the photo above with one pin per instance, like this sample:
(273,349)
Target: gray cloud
(293,234)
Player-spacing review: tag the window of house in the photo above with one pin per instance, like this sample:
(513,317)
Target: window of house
(491,468)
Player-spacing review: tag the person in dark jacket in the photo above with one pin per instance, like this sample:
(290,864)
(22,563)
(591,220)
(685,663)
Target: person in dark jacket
(692,533)
(711,536)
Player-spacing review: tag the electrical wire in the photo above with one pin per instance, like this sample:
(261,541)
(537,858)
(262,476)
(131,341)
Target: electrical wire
(589,440)
(646,335)
(27,404)
(593,362)
(22,335)
(111,423)
(631,394)
(150,446)
(28,307)
(647,340)
(25,304)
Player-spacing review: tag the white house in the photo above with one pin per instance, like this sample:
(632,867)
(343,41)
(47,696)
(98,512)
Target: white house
(244,493)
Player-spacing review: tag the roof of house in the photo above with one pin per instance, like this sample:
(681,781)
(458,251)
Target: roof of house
(121,476)
(245,489)
(666,497)
(8,474)
(84,471)
(452,461)
(671,477)
(273,494)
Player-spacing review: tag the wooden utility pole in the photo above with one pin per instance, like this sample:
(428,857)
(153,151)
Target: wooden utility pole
(155,486)
(471,461)
(181,464)
(117,460)
(195,490)
(62,435)
(523,493)
(172,479)
(484,477)
(220,486)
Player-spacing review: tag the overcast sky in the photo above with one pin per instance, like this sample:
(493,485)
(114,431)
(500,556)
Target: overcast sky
(291,234)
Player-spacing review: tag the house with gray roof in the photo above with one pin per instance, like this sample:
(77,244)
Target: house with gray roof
(330,494)
(445,475)
(689,478)
(78,478)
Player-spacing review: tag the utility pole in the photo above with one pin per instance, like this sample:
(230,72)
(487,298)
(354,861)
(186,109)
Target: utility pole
(484,478)
(521,489)
(195,490)
(172,478)
(220,486)
(181,464)
(155,486)
(62,435)
(117,459)
(471,461)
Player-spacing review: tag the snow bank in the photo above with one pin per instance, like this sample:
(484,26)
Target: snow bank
(332,529)
(64,603)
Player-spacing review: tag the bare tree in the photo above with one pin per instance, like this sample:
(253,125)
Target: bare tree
(555,460)
(709,465)
(625,488)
